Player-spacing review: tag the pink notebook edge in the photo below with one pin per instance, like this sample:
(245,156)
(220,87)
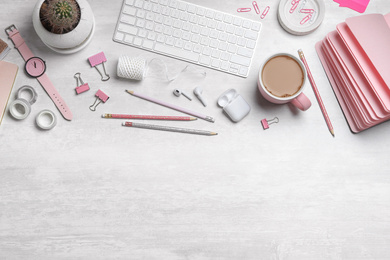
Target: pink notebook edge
(13,68)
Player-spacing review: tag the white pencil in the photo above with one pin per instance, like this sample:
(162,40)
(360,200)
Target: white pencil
(165,104)
(169,128)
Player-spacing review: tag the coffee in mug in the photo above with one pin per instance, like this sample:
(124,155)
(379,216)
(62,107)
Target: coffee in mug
(282,79)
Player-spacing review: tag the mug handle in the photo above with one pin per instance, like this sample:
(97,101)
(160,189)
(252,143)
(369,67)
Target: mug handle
(301,102)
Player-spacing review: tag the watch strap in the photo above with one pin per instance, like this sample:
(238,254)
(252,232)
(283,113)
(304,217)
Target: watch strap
(19,43)
(55,96)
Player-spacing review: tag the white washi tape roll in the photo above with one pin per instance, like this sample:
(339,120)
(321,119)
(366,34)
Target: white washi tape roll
(20,108)
(46,119)
(34,94)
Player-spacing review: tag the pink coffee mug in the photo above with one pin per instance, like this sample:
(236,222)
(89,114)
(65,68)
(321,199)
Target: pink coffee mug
(288,76)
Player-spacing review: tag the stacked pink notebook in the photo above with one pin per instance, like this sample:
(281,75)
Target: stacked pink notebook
(356,59)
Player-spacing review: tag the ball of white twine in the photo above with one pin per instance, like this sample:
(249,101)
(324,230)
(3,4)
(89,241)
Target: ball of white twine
(131,67)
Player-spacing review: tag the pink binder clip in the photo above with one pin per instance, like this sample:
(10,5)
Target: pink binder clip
(96,60)
(243,10)
(265,12)
(266,122)
(101,97)
(256,7)
(80,88)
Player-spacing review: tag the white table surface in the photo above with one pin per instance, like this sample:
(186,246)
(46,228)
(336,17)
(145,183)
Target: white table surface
(92,189)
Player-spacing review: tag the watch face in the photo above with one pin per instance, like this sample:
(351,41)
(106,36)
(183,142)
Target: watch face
(35,67)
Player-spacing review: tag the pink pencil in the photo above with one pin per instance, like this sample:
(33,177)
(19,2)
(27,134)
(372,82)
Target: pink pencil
(149,117)
(317,94)
(165,104)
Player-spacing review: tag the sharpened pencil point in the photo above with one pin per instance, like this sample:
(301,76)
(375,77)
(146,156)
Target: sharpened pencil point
(193,118)
(130,92)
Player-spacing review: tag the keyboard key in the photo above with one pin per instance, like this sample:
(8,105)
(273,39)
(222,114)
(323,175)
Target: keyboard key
(232,48)
(251,35)
(225,65)
(127,29)
(205,60)
(240,60)
(218,16)
(128,19)
(244,52)
(241,42)
(246,24)
(140,23)
(210,13)
(163,2)
(243,71)
(129,10)
(176,52)
(200,11)
(191,9)
(207,51)
(234,68)
(215,63)
(173,4)
(129,38)
(147,44)
(251,44)
(225,56)
(139,3)
(198,48)
(119,36)
(137,41)
(182,6)
(237,21)
(129,2)
(256,26)
(188,46)
(142,33)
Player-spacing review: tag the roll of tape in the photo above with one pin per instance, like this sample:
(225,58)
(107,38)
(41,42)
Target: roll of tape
(42,121)
(20,108)
(34,94)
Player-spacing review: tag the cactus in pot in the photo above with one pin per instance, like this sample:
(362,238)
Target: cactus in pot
(65,26)
(60,16)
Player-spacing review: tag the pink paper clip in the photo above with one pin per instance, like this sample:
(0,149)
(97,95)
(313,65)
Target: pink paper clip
(266,122)
(295,5)
(101,97)
(80,88)
(244,10)
(96,60)
(306,19)
(256,7)
(265,12)
(307,11)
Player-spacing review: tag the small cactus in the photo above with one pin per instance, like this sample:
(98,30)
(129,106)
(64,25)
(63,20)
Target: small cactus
(60,16)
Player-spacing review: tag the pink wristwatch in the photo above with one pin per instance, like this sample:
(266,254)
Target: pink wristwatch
(36,67)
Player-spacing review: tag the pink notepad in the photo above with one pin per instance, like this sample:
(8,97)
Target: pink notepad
(8,73)
(356,59)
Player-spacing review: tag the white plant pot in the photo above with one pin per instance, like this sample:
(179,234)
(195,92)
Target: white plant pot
(72,41)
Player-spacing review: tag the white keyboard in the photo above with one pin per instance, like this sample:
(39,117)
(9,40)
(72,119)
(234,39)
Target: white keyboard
(189,32)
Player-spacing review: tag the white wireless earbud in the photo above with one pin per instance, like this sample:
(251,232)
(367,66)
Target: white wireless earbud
(198,93)
(177,93)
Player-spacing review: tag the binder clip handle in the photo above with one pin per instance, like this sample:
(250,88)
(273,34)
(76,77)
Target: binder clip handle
(266,122)
(96,60)
(100,97)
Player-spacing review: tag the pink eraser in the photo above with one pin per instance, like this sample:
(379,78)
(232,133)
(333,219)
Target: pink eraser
(102,96)
(82,88)
(97,59)
(264,122)
(357,5)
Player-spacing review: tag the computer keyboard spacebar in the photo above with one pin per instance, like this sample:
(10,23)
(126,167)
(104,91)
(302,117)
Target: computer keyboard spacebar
(180,53)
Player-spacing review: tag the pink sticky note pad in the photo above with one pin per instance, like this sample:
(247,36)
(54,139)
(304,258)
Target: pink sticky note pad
(357,5)
(97,59)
